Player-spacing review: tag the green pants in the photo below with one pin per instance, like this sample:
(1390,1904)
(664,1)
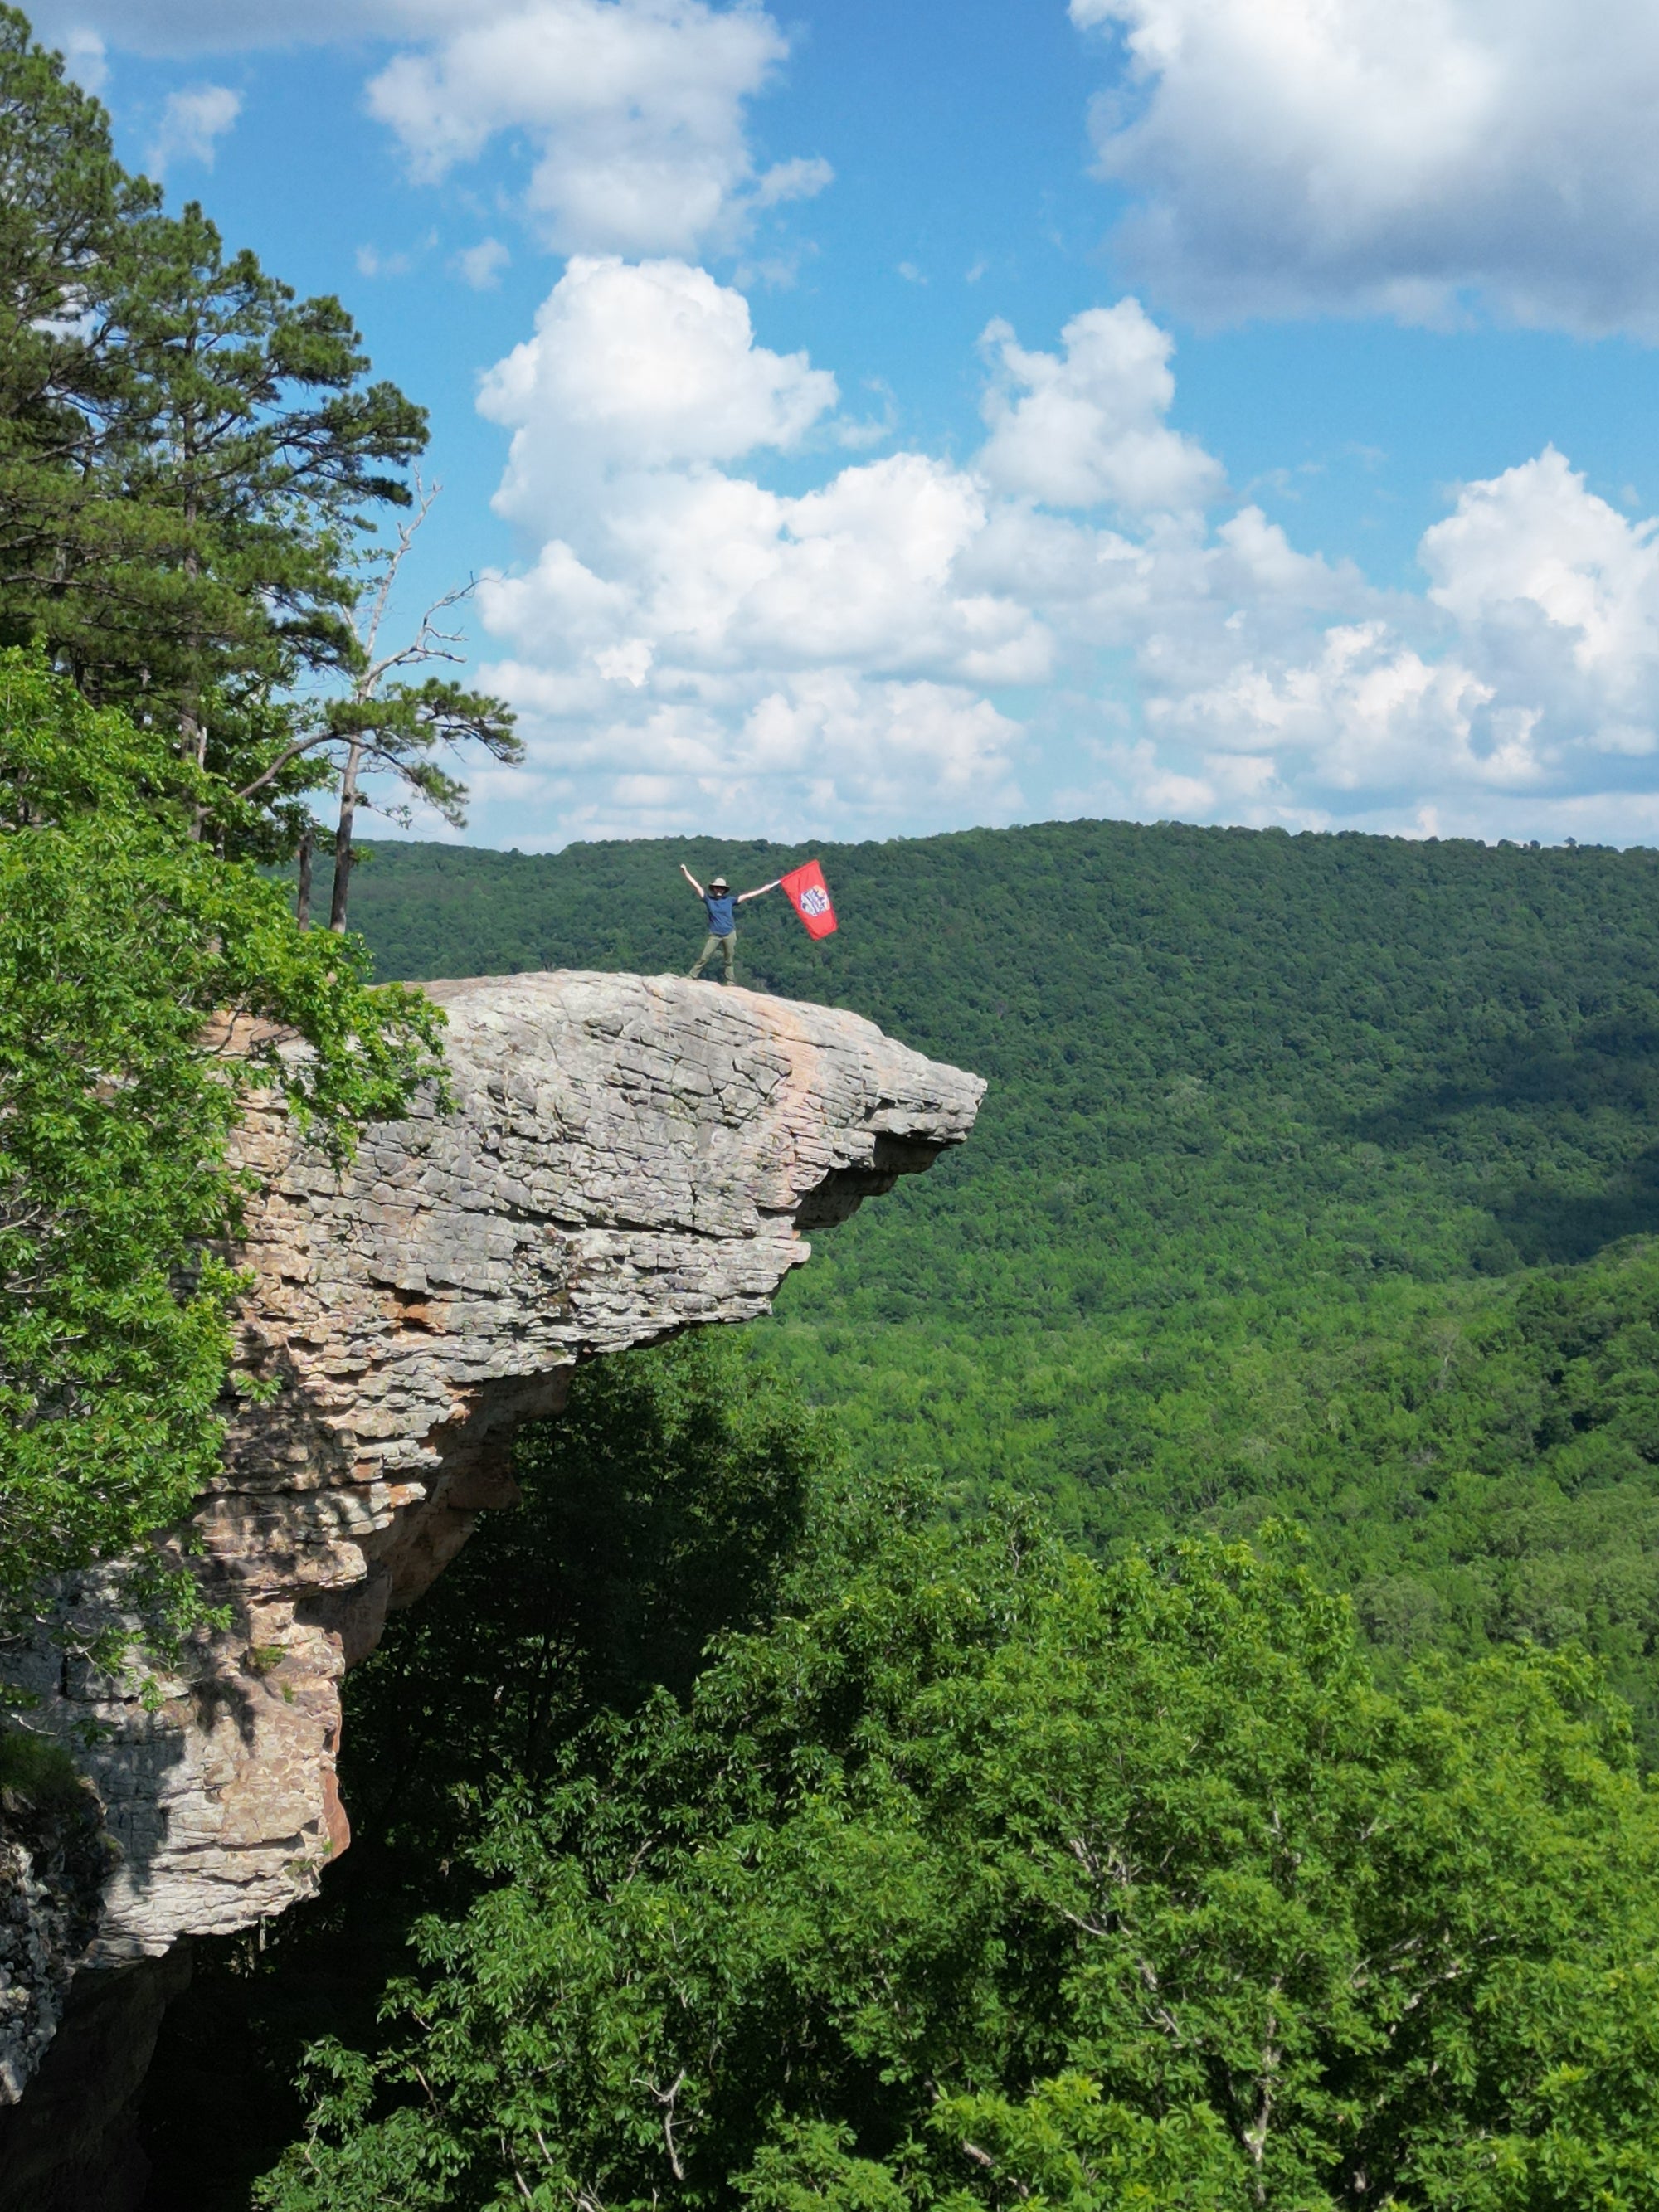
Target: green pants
(728,945)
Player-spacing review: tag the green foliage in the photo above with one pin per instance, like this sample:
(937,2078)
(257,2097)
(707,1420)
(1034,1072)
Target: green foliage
(658,1510)
(661,1509)
(986,1874)
(248,447)
(38,1770)
(400,729)
(127,951)
(1279,1131)
(62,211)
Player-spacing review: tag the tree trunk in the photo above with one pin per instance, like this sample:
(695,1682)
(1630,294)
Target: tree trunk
(337,918)
(302,900)
(192,732)
(193,738)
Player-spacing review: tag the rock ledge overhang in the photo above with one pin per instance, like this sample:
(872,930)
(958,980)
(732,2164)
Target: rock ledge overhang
(626,1157)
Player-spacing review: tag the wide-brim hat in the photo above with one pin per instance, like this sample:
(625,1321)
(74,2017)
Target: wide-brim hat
(719,884)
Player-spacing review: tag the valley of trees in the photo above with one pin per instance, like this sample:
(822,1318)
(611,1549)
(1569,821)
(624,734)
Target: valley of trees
(738,1830)
(983,1876)
(1313,1193)
(1139,1688)
(1314,1180)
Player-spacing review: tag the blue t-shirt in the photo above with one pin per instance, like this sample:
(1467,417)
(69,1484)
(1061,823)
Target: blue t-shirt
(722,912)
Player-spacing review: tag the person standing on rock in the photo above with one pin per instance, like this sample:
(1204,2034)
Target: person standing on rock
(720,902)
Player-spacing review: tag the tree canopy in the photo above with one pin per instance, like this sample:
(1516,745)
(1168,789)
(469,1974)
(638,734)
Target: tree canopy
(986,1875)
(1306,1185)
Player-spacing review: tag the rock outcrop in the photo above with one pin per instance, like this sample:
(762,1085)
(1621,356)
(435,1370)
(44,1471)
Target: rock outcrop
(624,1157)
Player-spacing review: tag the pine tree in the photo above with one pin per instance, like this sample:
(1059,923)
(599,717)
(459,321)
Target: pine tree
(189,456)
(252,449)
(64,201)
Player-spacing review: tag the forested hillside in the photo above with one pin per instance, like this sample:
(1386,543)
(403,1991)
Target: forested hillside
(1287,1195)
(954,1872)
(778,1814)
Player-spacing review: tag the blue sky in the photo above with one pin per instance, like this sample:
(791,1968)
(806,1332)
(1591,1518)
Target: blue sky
(870,419)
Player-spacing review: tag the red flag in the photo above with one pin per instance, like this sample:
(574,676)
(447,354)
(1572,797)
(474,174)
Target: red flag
(809,895)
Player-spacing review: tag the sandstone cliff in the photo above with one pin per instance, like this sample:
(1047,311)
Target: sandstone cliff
(624,1157)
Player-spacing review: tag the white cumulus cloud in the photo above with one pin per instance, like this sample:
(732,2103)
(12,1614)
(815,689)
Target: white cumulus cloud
(641,366)
(1409,156)
(634,108)
(722,579)
(1085,426)
(1074,619)
(1541,568)
(86,57)
(1526,678)
(192,122)
(681,636)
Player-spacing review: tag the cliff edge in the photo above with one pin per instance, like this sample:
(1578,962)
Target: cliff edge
(623,1157)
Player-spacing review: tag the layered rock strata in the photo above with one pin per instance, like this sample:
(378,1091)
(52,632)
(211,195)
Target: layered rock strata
(624,1157)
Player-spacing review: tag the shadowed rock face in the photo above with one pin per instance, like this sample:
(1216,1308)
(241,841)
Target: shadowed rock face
(626,1157)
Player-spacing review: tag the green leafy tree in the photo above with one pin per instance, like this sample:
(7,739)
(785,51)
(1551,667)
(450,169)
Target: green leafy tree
(661,1508)
(987,1876)
(125,948)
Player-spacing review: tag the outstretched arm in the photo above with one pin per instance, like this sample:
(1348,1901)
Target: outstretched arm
(762,893)
(691,879)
